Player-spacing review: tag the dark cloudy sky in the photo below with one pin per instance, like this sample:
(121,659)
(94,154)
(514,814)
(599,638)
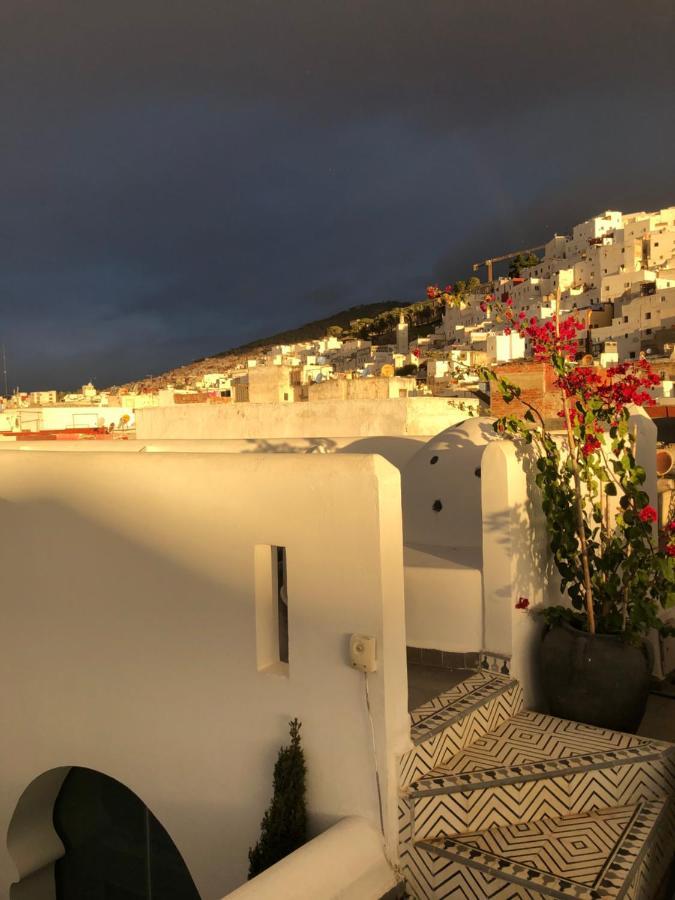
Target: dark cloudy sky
(178,177)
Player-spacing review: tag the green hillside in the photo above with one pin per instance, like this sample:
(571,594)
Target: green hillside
(317,329)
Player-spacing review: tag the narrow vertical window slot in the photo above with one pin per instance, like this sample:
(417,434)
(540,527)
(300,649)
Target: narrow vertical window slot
(271,609)
(282,603)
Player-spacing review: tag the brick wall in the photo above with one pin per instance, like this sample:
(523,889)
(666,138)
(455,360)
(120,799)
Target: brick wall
(536,380)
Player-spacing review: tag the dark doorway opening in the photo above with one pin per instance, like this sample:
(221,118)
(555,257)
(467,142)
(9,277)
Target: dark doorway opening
(115,848)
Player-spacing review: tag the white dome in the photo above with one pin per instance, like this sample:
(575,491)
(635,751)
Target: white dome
(441,487)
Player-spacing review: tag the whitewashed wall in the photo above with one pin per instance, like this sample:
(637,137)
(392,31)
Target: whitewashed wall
(397,450)
(129,641)
(324,419)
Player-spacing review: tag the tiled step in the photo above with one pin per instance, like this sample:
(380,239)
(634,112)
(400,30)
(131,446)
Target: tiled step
(621,852)
(448,723)
(534,766)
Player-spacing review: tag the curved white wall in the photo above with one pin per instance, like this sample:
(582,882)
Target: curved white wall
(445,470)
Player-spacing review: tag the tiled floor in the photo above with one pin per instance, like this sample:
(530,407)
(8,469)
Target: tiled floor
(659,720)
(427,682)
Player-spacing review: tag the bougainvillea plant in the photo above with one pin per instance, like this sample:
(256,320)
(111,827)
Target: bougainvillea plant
(600,521)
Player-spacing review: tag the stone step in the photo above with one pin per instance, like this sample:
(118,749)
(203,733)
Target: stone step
(534,766)
(620,852)
(456,718)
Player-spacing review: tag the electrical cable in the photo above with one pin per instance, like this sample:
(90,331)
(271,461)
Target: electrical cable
(377,771)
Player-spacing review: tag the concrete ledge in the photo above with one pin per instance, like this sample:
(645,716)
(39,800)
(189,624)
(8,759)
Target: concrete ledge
(345,862)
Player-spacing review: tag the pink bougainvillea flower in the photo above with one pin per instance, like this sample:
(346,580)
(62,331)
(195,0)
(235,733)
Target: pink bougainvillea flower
(670,549)
(522,603)
(591,444)
(648,514)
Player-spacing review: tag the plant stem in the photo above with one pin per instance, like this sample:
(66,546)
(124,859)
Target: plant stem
(590,612)
(580,521)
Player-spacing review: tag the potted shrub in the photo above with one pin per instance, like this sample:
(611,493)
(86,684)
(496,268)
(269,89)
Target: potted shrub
(595,661)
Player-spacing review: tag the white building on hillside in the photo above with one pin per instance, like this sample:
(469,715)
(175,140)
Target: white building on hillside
(614,270)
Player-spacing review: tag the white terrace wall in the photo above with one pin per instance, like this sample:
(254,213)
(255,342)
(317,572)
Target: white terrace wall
(327,419)
(128,643)
(397,450)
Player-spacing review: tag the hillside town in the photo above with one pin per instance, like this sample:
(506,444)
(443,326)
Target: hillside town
(615,273)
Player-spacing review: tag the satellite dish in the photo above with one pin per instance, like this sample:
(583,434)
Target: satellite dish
(319,377)
(587,360)
(387,371)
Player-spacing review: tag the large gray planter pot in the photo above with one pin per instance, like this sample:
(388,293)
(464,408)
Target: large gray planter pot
(597,679)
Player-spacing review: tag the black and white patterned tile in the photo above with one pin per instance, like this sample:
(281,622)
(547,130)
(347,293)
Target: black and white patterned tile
(592,856)
(502,803)
(447,724)
(496,663)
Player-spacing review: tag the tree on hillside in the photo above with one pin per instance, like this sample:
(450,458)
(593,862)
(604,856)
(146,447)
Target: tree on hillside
(335,331)
(365,329)
(520,262)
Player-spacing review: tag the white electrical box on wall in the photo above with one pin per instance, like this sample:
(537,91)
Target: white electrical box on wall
(362,653)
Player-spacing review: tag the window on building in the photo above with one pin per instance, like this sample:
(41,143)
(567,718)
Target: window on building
(648,315)
(649,331)
(632,354)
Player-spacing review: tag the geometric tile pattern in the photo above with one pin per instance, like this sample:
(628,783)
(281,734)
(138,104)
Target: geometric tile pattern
(440,711)
(501,803)
(495,662)
(443,727)
(594,855)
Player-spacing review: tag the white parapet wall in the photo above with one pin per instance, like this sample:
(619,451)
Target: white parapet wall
(396,450)
(347,862)
(326,419)
(135,642)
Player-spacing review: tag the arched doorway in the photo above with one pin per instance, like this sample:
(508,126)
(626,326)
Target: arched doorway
(77,834)
(115,848)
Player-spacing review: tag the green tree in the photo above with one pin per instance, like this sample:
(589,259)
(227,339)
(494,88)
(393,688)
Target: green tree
(520,262)
(335,331)
(409,369)
(284,826)
(365,328)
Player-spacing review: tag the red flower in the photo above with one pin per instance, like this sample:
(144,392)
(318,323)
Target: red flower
(671,525)
(648,514)
(507,331)
(670,549)
(590,445)
(522,603)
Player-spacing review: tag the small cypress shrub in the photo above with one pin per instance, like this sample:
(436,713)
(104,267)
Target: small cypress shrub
(284,826)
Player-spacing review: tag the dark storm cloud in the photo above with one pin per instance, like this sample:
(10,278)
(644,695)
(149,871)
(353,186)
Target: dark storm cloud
(179,177)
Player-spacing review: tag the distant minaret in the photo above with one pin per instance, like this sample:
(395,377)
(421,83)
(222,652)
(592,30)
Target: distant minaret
(402,336)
